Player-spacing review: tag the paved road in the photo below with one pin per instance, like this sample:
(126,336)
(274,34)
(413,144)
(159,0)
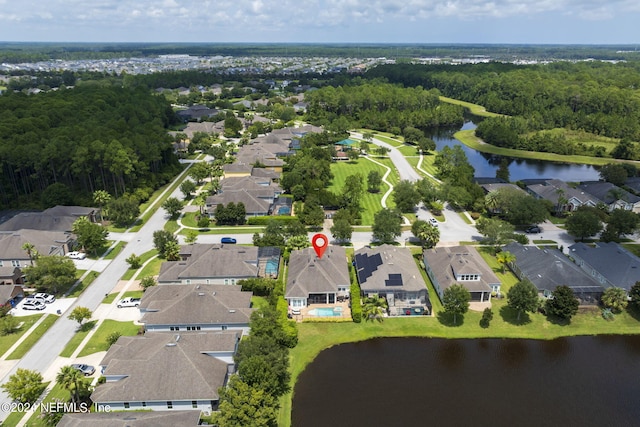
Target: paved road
(46,350)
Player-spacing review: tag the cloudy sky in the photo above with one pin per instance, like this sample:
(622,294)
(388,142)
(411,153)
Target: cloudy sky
(323,21)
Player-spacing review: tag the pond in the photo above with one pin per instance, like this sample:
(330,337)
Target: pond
(577,381)
(486,164)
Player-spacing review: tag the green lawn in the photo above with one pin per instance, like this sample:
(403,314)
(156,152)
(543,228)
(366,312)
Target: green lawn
(151,269)
(33,337)
(77,338)
(408,150)
(84,284)
(98,342)
(116,250)
(6,341)
(143,258)
(111,297)
(229,230)
(171,226)
(57,392)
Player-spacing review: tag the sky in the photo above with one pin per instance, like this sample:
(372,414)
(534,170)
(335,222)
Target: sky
(323,21)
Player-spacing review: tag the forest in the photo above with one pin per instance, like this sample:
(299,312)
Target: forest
(599,98)
(61,146)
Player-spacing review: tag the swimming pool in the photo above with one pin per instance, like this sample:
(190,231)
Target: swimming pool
(326,312)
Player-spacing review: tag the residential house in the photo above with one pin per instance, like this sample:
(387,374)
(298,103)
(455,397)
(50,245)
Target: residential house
(219,264)
(195,308)
(256,153)
(10,275)
(313,280)
(608,263)
(196,112)
(166,371)
(257,194)
(462,265)
(392,273)
(130,419)
(549,268)
(563,197)
(236,170)
(45,243)
(57,218)
(612,195)
(10,295)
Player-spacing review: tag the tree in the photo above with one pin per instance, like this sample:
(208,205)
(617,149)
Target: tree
(80,314)
(387,225)
(353,155)
(173,206)
(615,173)
(113,337)
(352,193)
(187,188)
(160,240)
(523,297)
(147,282)
(455,300)
(51,274)
(312,214)
(382,151)
(426,144)
(342,230)
(91,236)
(134,261)
(495,231)
(72,380)
(504,258)
(563,303)
(374,308)
(242,405)
(172,250)
(620,222)
(615,299)
(25,386)
(428,234)
(405,196)
(191,237)
(123,211)
(8,325)
(584,222)
(30,249)
(101,198)
(634,294)
(374,180)
(503,170)
(203,221)
(199,171)
(298,242)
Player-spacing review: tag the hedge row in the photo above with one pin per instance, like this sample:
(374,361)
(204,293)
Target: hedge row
(263,220)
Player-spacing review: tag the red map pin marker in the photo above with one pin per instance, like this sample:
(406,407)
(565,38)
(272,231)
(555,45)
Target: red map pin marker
(320,243)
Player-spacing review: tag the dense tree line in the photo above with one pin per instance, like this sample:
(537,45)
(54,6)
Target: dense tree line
(82,140)
(380,106)
(595,97)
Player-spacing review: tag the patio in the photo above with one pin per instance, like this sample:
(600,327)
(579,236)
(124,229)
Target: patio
(341,310)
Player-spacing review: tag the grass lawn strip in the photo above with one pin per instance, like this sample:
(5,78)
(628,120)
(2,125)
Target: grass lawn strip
(33,337)
(84,284)
(77,338)
(143,258)
(7,341)
(98,342)
(111,297)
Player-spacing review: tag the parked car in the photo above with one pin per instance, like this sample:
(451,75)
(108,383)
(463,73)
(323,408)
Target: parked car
(533,229)
(87,370)
(42,297)
(128,302)
(228,240)
(433,222)
(33,304)
(77,255)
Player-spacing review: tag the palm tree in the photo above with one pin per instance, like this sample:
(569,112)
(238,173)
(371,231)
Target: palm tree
(374,308)
(504,258)
(101,198)
(71,379)
(31,251)
(491,201)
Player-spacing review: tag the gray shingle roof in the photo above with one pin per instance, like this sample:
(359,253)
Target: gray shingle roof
(378,268)
(211,261)
(164,366)
(605,191)
(447,262)
(553,188)
(612,261)
(45,242)
(57,218)
(307,274)
(195,305)
(549,268)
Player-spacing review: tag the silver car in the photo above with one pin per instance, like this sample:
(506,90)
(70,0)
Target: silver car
(87,370)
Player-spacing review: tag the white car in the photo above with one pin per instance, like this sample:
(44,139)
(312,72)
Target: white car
(42,297)
(33,304)
(77,255)
(433,222)
(128,302)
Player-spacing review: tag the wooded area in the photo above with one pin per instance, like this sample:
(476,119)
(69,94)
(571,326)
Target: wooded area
(61,146)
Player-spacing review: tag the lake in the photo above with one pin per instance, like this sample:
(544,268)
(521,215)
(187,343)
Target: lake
(577,381)
(486,164)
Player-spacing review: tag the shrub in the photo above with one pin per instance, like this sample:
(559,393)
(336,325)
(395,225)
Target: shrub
(134,261)
(113,337)
(474,215)
(487,316)
(607,314)
(203,221)
(8,325)
(260,286)
(356,307)
(263,220)
(289,328)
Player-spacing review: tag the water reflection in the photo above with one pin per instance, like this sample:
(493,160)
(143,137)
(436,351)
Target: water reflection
(577,381)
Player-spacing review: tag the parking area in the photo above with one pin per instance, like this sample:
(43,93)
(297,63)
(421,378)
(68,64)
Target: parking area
(60,304)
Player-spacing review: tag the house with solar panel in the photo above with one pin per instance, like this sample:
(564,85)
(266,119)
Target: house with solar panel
(392,273)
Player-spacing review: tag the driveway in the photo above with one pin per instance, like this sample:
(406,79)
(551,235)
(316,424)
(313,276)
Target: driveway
(61,304)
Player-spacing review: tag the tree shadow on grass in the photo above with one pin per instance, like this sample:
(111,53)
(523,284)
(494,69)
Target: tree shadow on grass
(446,319)
(510,315)
(87,326)
(558,321)
(633,311)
